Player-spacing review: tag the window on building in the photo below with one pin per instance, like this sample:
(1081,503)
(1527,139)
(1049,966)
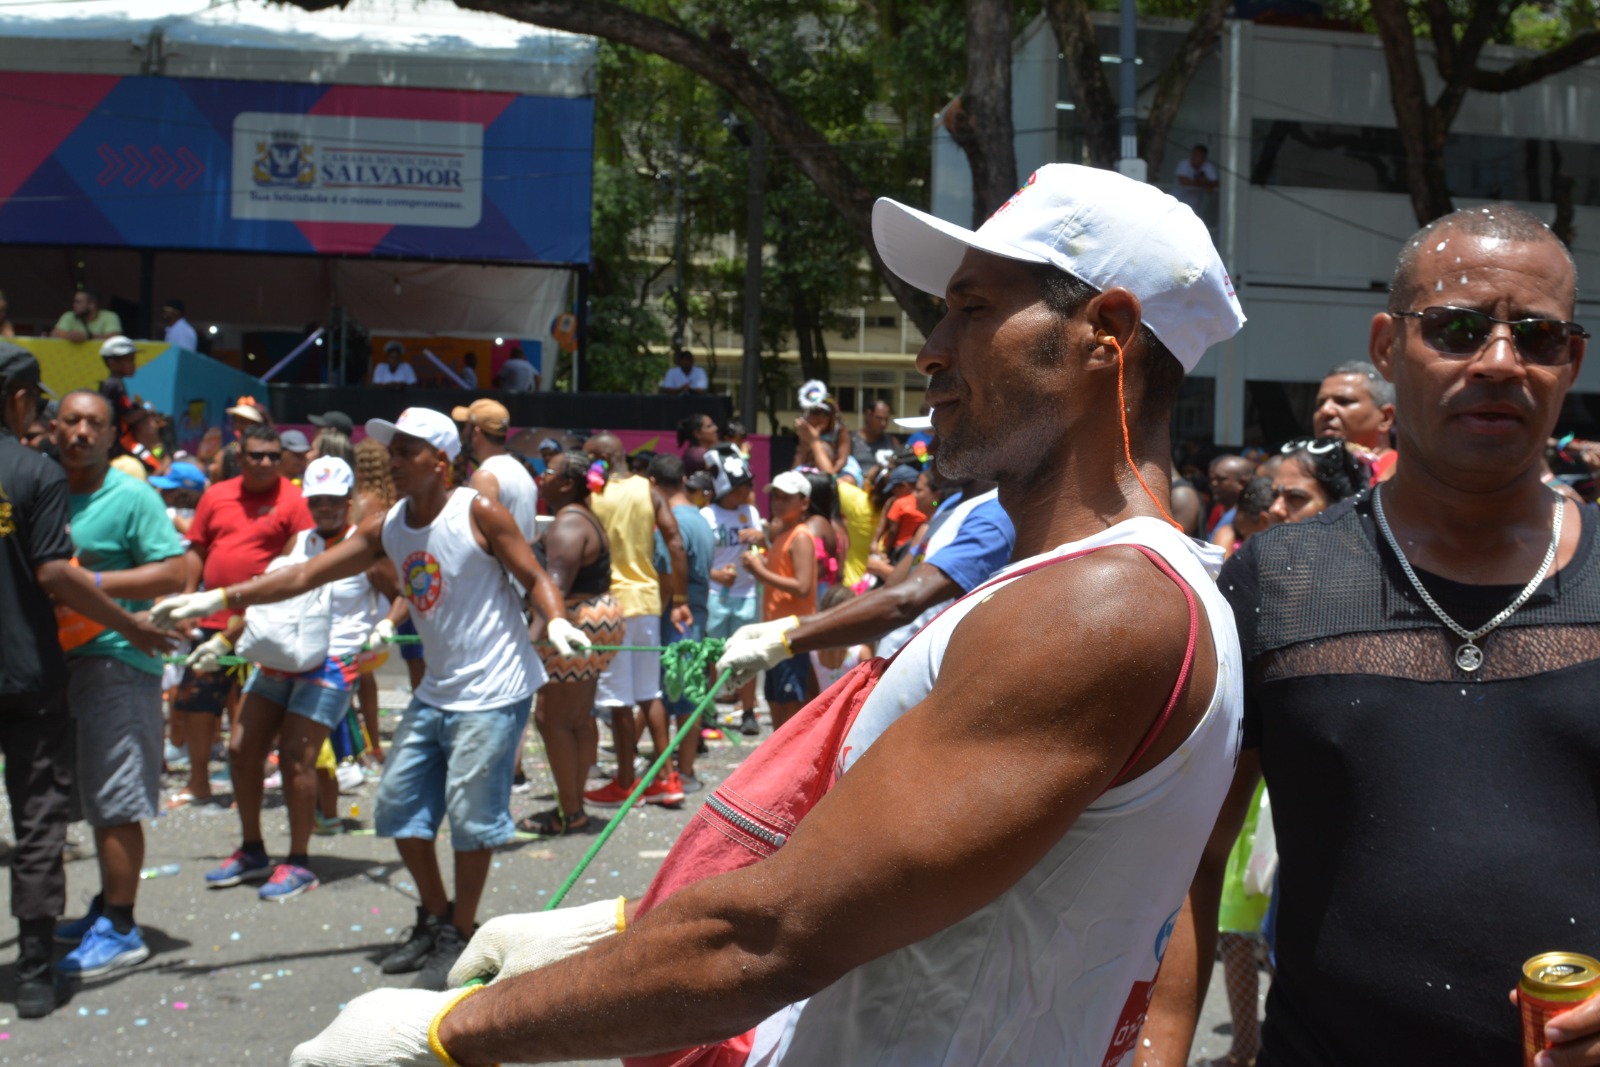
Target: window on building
(1372,159)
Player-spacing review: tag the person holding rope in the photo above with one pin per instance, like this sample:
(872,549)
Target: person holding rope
(577,555)
(455,749)
(297,711)
(1019,802)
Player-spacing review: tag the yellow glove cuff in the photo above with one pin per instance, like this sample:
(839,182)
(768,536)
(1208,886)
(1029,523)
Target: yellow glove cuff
(791,623)
(433,1027)
(622,914)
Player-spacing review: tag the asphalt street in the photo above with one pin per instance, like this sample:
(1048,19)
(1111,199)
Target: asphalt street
(231,978)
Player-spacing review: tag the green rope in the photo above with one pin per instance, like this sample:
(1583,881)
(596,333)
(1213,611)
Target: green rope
(690,723)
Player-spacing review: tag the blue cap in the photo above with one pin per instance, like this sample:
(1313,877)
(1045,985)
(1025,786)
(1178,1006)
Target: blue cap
(905,474)
(181,476)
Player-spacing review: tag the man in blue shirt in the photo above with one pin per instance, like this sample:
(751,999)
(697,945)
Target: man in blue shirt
(666,473)
(972,542)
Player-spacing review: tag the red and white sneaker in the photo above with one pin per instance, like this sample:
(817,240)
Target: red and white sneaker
(666,789)
(610,795)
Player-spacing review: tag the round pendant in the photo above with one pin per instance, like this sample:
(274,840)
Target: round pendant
(1469,657)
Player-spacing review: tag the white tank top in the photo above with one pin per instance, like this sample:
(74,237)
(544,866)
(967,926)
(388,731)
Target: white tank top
(517,492)
(826,675)
(474,639)
(1059,968)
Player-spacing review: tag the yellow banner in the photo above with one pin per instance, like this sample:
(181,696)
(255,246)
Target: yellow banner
(68,365)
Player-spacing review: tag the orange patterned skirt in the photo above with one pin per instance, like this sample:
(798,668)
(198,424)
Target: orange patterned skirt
(599,617)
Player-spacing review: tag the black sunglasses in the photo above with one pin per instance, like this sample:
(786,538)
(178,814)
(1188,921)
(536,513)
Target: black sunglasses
(262,457)
(1453,331)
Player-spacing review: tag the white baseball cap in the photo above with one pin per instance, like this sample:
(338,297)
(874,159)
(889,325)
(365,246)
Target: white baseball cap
(431,426)
(118,346)
(792,482)
(915,422)
(1100,227)
(327,476)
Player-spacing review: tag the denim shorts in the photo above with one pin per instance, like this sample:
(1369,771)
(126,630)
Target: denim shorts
(319,703)
(787,682)
(455,763)
(725,613)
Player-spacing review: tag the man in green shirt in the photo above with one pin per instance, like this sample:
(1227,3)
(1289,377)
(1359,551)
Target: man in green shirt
(87,320)
(121,533)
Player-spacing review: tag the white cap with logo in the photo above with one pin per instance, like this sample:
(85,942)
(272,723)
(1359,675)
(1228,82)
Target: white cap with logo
(327,476)
(792,482)
(1100,227)
(434,427)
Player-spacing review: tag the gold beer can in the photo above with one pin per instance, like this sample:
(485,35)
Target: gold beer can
(1552,982)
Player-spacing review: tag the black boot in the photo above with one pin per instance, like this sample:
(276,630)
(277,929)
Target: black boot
(37,993)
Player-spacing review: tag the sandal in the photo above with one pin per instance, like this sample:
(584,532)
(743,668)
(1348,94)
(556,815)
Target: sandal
(180,800)
(553,824)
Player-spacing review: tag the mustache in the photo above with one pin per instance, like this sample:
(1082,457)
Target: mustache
(945,383)
(1509,394)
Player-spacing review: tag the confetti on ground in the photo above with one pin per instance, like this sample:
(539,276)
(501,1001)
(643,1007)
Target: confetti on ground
(652,853)
(179,1005)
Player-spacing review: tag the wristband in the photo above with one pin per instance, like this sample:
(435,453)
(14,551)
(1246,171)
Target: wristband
(97,577)
(433,1028)
(794,622)
(622,915)
(679,599)
(224,592)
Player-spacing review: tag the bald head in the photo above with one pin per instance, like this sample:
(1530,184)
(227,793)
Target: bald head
(607,447)
(1429,249)
(1229,475)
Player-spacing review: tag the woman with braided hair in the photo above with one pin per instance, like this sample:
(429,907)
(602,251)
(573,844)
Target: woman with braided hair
(576,553)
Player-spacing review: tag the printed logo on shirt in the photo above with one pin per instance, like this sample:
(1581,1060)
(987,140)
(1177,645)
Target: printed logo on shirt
(1164,937)
(424,583)
(1126,1036)
(8,524)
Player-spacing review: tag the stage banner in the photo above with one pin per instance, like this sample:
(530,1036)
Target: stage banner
(153,162)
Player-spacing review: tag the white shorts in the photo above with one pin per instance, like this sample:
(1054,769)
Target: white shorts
(633,677)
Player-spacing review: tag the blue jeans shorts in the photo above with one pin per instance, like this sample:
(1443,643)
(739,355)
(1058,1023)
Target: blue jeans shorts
(455,763)
(725,613)
(787,682)
(319,703)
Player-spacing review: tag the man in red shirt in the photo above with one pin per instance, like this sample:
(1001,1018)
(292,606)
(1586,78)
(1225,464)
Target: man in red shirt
(241,525)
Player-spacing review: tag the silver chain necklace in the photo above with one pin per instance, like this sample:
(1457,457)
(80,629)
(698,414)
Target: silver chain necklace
(1469,657)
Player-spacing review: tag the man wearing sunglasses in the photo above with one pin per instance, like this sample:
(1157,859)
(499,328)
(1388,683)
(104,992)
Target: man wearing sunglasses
(1420,665)
(240,525)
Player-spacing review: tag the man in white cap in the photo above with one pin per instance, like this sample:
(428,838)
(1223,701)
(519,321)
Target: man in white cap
(455,750)
(1023,796)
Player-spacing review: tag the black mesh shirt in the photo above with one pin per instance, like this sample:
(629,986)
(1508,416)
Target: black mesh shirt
(1435,829)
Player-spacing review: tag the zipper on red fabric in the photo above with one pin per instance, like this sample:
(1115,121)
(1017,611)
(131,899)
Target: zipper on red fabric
(745,822)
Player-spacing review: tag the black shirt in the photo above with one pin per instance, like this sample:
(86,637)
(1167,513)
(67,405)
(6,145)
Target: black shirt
(34,512)
(1435,828)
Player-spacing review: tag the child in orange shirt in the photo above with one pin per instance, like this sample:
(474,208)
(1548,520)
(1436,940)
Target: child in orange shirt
(788,574)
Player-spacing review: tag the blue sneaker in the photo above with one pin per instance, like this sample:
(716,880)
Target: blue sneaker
(104,950)
(239,867)
(73,932)
(288,881)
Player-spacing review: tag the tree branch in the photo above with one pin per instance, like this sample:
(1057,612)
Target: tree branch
(1086,77)
(1525,72)
(980,122)
(1175,78)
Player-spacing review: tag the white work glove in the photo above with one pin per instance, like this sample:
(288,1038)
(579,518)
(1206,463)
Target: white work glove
(204,660)
(381,634)
(386,1026)
(515,944)
(186,606)
(756,647)
(566,637)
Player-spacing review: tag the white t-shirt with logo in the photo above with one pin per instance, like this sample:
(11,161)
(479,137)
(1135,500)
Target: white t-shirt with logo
(725,525)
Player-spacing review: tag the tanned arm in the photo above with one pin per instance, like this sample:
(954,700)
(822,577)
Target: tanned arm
(146,581)
(668,525)
(1186,970)
(1028,752)
(346,559)
(501,539)
(74,587)
(868,617)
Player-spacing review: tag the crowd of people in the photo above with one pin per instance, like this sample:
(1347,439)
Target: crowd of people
(1035,698)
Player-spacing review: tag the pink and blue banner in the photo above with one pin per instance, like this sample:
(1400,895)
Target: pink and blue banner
(152,162)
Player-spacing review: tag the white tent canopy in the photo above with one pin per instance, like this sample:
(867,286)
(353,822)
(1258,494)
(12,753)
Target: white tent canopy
(411,43)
